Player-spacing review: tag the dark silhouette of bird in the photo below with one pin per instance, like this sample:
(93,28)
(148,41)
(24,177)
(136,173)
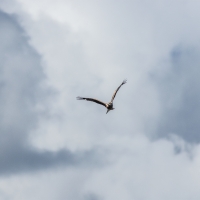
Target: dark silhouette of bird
(109,105)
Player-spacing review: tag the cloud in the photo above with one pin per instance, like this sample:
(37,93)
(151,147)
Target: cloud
(179,93)
(148,147)
(23,92)
(95,50)
(138,169)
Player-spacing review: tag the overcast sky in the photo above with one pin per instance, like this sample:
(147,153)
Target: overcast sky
(55,147)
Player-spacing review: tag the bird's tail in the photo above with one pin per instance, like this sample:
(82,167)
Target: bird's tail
(107,111)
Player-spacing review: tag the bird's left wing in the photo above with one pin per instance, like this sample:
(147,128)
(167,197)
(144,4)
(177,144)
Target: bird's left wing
(90,99)
(117,90)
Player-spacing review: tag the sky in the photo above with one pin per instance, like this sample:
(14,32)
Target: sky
(55,147)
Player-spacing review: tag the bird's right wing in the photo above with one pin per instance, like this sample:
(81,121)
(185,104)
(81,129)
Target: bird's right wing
(124,82)
(90,99)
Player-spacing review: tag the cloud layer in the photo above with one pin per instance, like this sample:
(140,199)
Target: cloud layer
(23,95)
(54,147)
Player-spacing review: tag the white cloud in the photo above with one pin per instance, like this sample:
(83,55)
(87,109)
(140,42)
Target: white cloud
(87,48)
(138,169)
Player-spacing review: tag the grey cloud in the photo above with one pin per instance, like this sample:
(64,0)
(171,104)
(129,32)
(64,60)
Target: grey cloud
(26,159)
(21,79)
(92,196)
(179,90)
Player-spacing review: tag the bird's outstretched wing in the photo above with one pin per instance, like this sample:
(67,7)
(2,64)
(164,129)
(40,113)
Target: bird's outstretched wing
(90,99)
(117,90)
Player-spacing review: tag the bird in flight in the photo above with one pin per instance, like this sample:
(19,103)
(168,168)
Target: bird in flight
(109,105)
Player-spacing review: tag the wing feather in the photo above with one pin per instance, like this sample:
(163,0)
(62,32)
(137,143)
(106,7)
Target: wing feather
(90,99)
(124,82)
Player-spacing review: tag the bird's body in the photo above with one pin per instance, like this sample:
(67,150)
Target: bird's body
(109,105)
